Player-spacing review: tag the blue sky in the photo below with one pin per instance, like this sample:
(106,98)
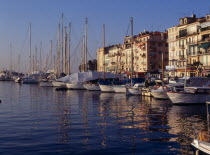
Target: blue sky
(152,15)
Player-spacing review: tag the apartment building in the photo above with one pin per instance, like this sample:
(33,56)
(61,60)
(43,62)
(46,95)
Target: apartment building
(150,53)
(188,44)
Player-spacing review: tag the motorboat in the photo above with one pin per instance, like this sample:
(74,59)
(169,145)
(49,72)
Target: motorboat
(190,95)
(135,90)
(147,91)
(29,80)
(159,90)
(202,139)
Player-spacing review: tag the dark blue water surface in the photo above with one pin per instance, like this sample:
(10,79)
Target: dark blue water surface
(38,120)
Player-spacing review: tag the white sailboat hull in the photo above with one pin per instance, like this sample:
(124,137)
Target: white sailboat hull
(75,86)
(200,145)
(119,89)
(106,88)
(58,84)
(92,87)
(183,98)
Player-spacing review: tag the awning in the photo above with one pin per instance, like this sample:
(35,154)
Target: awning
(204,45)
(206,24)
(193,45)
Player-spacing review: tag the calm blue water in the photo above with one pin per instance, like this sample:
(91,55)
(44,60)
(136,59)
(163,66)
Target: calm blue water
(37,120)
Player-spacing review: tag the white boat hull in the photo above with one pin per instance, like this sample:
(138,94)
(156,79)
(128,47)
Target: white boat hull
(75,86)
(57,83)
(159,94)
(92,87)
(133,91)
(184,98)
(45,84)
(106,88)
(200,145)
(119,89)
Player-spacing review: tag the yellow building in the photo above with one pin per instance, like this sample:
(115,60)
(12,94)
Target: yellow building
(149,49)
(188,44)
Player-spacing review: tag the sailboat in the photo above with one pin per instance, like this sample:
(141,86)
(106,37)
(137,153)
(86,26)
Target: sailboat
(79,85)
(137,88)
(105,85)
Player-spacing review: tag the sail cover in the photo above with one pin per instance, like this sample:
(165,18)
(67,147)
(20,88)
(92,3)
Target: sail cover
(88,76)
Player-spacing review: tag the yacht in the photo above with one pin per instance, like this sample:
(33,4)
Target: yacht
(202,139)
(190,95)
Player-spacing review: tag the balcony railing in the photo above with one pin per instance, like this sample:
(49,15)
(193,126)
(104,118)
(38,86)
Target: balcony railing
(181,57)
(172,48)
(181,46)
(205,39)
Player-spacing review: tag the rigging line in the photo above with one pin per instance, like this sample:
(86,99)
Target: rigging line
(24,42)
(75,52)
(127,29)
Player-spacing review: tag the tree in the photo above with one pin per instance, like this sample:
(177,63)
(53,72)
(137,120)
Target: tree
(91,65)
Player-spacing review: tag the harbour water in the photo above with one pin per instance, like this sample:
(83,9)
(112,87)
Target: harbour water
(38,120)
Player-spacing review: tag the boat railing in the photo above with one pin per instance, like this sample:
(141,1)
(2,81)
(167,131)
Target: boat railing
(204,136)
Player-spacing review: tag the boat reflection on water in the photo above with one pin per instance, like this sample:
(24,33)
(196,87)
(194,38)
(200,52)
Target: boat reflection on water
(86,122)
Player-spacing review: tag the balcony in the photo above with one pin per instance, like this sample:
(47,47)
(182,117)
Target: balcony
(111,55)
(207,39)
(113,63)
(191,42)
(181,46)
(173,48)
(181,57)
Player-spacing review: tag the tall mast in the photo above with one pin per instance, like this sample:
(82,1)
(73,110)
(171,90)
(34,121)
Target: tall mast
(51,56)
(104,49)
(58,50)
(65,52)
(69,70)
(40,57)
(30,46)
(62,44)
(35,66)
(11,67)
(86,33)
(131,20)
(83,54)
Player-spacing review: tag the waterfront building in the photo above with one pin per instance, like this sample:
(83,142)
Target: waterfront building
(189,44)
(150,50)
